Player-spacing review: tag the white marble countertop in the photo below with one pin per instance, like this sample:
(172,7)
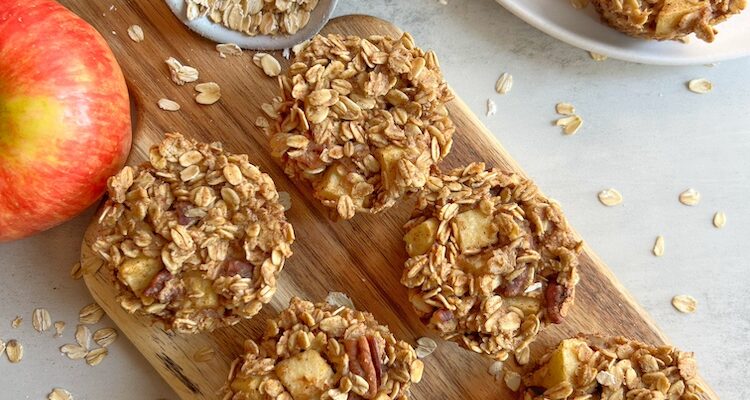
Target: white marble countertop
(644,134)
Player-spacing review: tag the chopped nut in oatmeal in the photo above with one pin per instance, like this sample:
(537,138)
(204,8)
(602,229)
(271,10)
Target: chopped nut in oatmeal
(492,260)
(593,367)
(196,237)
(362,119)
(255,17)
(318,351)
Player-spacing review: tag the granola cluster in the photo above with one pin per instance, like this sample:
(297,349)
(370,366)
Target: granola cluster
(491,260)
(594,367)
(318,351)
(255,17)
(196,237)
(667,19)
(363,120)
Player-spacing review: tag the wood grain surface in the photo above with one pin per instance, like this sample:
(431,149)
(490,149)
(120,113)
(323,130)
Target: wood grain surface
(362,257)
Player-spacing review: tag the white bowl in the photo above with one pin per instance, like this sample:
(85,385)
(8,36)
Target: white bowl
(583,29)
(220,34)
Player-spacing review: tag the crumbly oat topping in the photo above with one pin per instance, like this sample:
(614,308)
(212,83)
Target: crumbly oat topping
(195,238)
(362,119)
(321,351)
(593,367)
(667,19)
(492,261)
(255,17)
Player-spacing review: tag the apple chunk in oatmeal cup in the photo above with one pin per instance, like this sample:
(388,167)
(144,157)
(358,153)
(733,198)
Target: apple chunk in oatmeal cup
(195,238)
(491,260)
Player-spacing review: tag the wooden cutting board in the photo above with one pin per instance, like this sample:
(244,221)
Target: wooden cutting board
(362,257)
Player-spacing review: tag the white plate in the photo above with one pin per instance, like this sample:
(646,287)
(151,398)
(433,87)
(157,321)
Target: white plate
(220,34)
(582,28)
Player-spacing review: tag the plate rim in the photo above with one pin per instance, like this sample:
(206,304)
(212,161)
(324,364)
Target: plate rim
(588,44)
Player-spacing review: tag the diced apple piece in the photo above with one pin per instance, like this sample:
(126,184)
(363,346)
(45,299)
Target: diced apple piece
(528,305)
(475,230)
(248,387)
(333,185)
(673,11)
(138,272)
(421,237)
(306,376)
(388,157)
(561,366)
(200,290)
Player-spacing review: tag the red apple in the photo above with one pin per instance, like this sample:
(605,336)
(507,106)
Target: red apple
(64,116)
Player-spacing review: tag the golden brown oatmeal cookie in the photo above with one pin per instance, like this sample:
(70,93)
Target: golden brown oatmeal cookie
(362,120)
(195,237)
(318,351)
(667,19)
(594,367)
(491,260)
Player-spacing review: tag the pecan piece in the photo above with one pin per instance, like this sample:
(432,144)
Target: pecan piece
(516,286)
(157,283)
(443,320)
(241,268)
(558,299)
(364,360)
(350,345)
(181,208)
(377,355)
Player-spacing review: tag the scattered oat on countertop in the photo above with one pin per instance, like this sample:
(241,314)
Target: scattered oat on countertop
(491,107)
(685,303)
(59,328)
(14,351)
(720,219)
(105,336)
(41,320)
(83,336)
(504,83)
(73,351)
(512,380)
(17,321)
(496,369)
(565,108)
(570,124)
(168,105)
(2,347)
(228,49)
(597,56)
(94,357)
(610,197)
(700,86)
(658,249)
(59,394)
(208,93)
(76,272)
(136,33)
(690,197)
(90,314)
(181,74)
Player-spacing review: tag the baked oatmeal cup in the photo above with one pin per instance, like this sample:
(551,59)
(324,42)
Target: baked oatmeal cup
(594,367)
(667,19)
(491,260)
(194,238)
(362,120)
(319,351)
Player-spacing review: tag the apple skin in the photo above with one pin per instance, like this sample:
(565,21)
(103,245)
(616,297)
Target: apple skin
(64,116)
